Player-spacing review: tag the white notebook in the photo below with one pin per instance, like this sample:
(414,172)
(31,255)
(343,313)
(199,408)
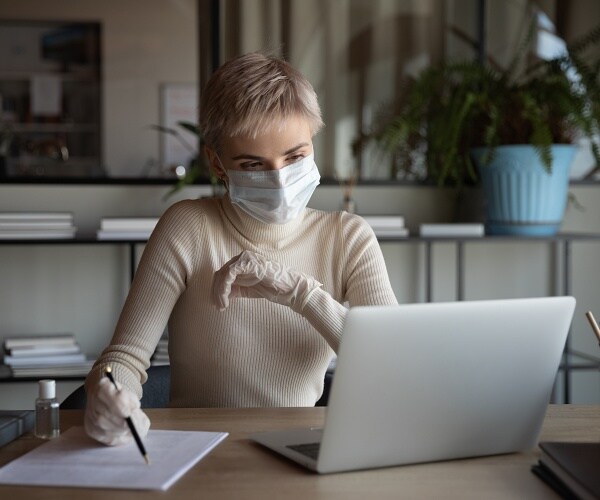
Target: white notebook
(74,459)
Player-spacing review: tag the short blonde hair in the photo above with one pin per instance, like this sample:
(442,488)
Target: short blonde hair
(249,94)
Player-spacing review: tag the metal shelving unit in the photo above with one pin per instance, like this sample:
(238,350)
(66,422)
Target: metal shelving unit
(561,257)
(561,245)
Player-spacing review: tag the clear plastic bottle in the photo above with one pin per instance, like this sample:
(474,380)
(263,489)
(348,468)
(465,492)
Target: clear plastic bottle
(47,425)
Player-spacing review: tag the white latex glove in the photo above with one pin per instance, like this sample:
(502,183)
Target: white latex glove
(252,275)
(106,411)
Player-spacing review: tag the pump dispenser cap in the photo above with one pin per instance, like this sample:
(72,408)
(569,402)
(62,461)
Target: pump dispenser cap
(47,389)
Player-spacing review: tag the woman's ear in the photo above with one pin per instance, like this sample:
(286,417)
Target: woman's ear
(215,163)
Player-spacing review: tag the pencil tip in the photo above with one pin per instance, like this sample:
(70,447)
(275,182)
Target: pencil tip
(147,459)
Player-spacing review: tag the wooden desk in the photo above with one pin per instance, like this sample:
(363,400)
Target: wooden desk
(240,469)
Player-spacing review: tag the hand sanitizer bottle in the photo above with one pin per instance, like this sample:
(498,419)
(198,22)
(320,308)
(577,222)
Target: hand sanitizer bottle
(46,411)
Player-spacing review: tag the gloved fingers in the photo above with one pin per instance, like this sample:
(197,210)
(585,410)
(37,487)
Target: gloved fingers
(126,402)
(220,292)
(247,292)
(120,439)
(253,276)
(108,438)
(105,419)
(117,401)
(274,283)
(101,404)
(104,433)
(141,422)
(221,286)
(106,410)
(250,286)
(245,280)
(247,265)
(102,429)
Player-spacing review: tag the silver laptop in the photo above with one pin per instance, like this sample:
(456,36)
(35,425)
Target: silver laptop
(438,381)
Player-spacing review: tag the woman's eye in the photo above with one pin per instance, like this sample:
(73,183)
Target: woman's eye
(251,165)
(294,158)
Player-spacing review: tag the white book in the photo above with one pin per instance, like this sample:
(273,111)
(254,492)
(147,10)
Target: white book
(34,225)
(44,350)
(160,356)
(70,370)
(36,216)
(159,362)
(39,340)
(400,232)
(128,223)
(59,359)
(102,234)
(452,229)
(377,221)
(42,234)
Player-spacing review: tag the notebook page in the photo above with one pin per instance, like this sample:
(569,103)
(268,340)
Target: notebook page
(74,459)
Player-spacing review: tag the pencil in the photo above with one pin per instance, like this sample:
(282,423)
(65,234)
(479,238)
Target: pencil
(593,324)
(136,436)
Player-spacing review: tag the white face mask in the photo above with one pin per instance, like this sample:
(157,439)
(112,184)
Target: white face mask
(275,196)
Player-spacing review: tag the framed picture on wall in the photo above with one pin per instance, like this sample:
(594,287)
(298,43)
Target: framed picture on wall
(179,102)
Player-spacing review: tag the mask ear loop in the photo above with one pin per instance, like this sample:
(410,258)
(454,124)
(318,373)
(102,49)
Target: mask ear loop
(224,179)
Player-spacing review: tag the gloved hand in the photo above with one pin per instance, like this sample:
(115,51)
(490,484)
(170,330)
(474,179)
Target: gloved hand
(252,275)
(106,411)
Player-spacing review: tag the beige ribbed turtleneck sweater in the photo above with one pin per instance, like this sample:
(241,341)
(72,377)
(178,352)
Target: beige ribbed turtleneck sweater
(255,353)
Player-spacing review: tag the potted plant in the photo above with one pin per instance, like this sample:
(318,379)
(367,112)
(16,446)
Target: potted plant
(198,170)
(507,128)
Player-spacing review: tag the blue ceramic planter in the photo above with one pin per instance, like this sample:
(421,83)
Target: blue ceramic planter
(521,197)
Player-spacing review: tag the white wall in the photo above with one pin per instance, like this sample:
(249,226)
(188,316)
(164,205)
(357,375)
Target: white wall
(81,288)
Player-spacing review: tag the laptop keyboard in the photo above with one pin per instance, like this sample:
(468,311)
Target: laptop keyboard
(311,450)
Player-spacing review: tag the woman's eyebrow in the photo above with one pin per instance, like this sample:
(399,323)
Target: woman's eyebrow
(245,156)
(295,148)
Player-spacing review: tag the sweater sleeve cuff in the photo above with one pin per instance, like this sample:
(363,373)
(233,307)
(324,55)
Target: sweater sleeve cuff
(326,315)
(120,373)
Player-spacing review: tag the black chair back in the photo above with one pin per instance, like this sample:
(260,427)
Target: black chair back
(156,391)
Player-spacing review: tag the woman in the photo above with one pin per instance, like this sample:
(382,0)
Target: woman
(252,285)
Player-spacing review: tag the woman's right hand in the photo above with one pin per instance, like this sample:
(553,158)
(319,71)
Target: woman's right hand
(106,410)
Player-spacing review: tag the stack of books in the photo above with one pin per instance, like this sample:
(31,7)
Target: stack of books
(126,228)
(45,355)
(36,225)
(161,354)
(15,423)
(387,225)
(570,468)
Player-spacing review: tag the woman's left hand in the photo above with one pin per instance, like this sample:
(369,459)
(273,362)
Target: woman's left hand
(251,275)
